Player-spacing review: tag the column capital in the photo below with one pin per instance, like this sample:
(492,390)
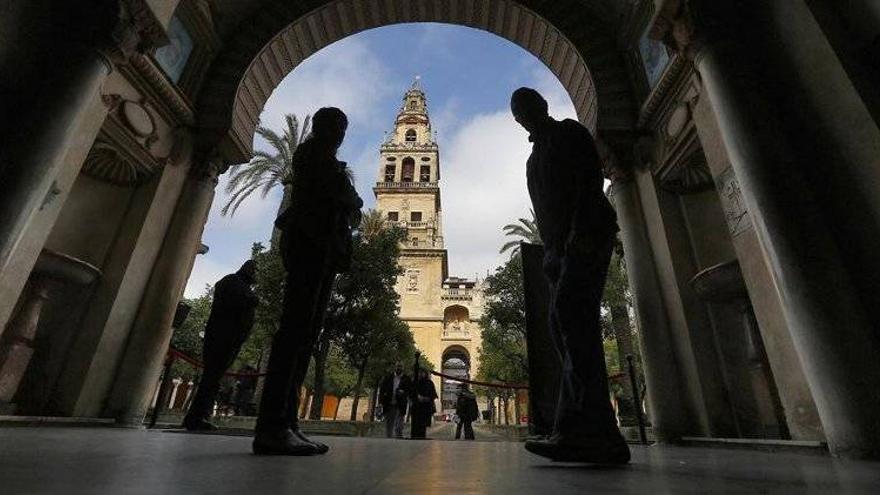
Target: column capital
(675,27)
(690,26)
(207,172)
(621,151)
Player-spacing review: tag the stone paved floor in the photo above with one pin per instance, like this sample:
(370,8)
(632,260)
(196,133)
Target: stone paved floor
(118,461)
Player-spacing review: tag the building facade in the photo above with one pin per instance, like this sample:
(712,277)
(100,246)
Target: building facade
(441,311)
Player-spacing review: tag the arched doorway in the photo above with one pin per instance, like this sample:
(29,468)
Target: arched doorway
(457,363)
(279,35)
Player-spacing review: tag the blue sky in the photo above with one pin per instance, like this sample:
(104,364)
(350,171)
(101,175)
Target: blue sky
(468,76)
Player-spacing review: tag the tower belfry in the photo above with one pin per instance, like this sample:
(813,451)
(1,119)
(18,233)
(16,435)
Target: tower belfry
(442,312)
(408,191)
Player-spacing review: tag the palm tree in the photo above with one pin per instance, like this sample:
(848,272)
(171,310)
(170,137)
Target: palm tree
(525,230)
(267,170)
(372,223)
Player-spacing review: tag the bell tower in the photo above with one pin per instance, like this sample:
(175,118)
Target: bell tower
(408,194)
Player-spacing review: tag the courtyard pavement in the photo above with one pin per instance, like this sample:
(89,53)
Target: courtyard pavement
(122,461)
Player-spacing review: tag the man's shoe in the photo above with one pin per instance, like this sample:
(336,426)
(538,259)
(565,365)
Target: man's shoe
(198,424)
(282,443)
(322,447)
(597,450)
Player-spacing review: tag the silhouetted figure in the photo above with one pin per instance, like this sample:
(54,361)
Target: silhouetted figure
(394,392)
(577,225)
(467,411)
(244,393)
(228,326)
(315,246)
(424,395)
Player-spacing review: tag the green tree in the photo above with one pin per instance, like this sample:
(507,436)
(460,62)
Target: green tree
(269,289)
(268,169)
(188,338)
(363,305)
(503,355)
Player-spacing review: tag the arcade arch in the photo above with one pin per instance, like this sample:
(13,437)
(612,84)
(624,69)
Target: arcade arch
(280,35)
(456,362)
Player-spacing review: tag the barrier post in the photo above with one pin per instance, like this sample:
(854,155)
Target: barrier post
(413,392)
(638,401)
(163,389)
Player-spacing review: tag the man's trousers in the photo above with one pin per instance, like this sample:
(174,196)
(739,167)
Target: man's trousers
(309,281)
(577,280)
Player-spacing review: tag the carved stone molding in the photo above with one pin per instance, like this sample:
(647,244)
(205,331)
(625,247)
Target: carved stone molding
(122,152)
(108,162)
(173,104)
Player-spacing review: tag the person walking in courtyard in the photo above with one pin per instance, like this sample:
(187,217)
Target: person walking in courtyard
(423,408)
(228,326)
(394,394)
(578,226)
(467,411)
(244,391)
(315,246)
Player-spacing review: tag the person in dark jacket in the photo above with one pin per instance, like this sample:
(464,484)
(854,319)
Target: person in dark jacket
(424,395)
(394,392)
(578,226)
(228,326)
(467,411)
(315,245)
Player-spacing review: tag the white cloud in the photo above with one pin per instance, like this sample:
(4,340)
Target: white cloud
(346,74)
(484,188)
(484,183)
(205,272)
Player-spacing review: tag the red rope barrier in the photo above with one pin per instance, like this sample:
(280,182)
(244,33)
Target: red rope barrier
(198,364)
(502,385)
(481,384)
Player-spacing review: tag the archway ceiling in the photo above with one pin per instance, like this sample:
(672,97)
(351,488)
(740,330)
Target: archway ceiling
(265,39)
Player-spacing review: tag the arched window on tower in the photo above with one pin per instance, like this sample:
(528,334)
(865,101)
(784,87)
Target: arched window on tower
(389,173)
(455,321)
(425,173)
(410,136)
(408,172)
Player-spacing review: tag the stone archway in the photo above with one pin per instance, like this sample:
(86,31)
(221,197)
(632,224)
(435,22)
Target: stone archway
(566,35)
(455,361)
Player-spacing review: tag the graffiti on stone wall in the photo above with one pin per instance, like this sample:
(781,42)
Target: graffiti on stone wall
(735,212)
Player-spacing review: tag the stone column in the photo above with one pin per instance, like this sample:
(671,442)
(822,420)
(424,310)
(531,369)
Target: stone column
(61,60)
(151,334)
(829,328)
(176,382)
(669,413)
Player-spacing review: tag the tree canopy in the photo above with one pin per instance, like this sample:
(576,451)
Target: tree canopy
(503,355)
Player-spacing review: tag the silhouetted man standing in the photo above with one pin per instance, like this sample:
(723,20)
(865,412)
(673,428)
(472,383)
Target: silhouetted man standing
(228,326)
(467,411)
(577,225)
(394,394)
(315,246)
